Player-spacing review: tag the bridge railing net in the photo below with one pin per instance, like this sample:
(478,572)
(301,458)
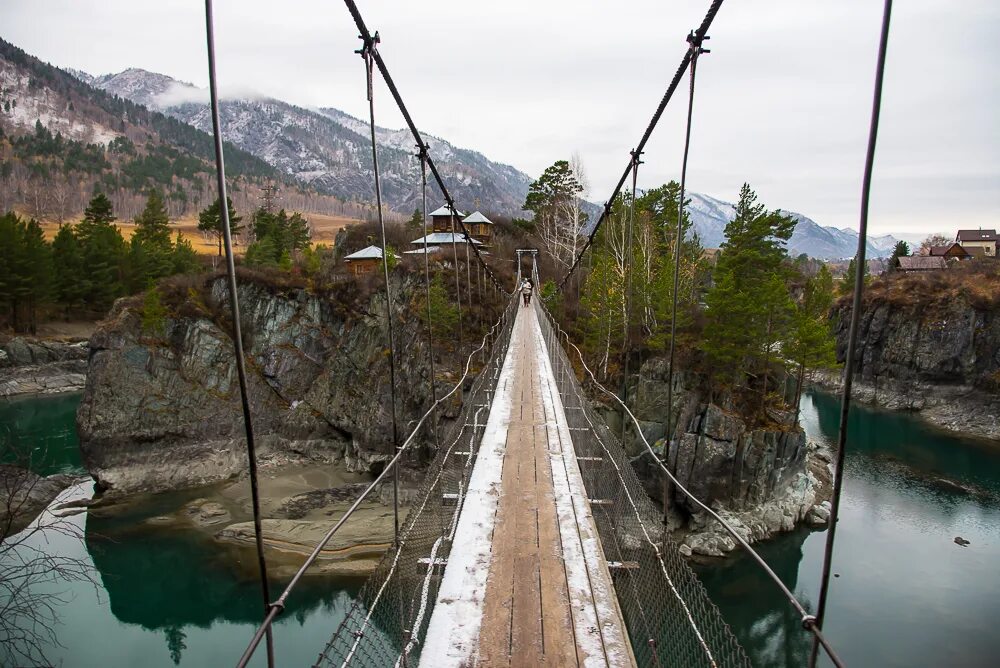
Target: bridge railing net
(670,619)
(386,622)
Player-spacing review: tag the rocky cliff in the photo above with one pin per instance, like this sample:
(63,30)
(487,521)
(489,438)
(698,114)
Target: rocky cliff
(163,412)
(35,366)
(929,344)
(762,481)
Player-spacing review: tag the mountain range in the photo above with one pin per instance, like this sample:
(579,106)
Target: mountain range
(326,148)
(328,151)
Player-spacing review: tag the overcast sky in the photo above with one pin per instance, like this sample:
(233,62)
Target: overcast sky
(782,101)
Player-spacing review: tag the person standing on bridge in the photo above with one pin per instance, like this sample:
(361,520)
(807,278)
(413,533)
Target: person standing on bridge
(526,291)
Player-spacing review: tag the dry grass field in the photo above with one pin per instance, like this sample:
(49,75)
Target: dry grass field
(325,229)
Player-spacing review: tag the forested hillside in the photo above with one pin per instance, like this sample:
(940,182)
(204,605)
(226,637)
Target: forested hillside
(62,140)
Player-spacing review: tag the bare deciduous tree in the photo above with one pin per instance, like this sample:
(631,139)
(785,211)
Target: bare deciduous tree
(31,576)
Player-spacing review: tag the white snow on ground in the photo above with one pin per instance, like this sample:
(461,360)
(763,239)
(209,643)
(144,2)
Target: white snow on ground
(453,633)
(596,620)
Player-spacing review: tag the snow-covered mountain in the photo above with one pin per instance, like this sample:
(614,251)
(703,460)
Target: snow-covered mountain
(709,217)
(327,148)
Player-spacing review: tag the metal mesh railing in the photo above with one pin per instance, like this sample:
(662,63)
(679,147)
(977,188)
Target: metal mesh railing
(386,623)
(671,620)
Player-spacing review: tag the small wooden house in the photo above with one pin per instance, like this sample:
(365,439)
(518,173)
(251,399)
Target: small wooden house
(365,260)
(479,227)
(912,263)
(950,251)
(444,219)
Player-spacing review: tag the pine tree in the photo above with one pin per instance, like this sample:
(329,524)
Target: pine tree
(154,313)
(151,254)
(443,312)
(25,270)
(748,307)
(417,219)
(210,220)
(185,259)
(68,268)
(103,253)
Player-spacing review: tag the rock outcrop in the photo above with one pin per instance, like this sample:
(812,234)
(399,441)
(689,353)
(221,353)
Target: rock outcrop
(23,495)
(164,413)
(35,366)
(762,481)
(936,356)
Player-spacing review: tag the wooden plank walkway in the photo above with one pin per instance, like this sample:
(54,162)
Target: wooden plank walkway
(527,583)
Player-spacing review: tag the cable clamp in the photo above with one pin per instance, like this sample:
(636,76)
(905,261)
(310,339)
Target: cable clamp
(695,42)
(808,622)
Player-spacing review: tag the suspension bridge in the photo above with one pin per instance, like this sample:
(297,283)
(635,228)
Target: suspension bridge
(531,541)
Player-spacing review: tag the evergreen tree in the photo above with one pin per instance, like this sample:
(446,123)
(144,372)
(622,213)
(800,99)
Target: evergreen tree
(185,259)
(902,249)
(68,269)
(748,307)
(417,219)
(103,254)
(443,312)
(154,313)
(152,250)
(210,220)
(25,271)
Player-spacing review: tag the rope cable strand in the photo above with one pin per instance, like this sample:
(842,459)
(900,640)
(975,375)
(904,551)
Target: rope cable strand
(852,339)
(220,171)
(367,51)
(699,36)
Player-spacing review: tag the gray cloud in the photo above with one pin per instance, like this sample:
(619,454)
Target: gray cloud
(782,100)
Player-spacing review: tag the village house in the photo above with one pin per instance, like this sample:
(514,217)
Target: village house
(478,226)
(952,251)
(443,239)
(985,239)
(365,260)
(914,263)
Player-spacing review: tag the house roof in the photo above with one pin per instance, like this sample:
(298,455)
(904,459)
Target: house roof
(444,238)
(921,262)
(977,235)
(420,251)
(477,218)
(943,250)
(444,211)
(369,253)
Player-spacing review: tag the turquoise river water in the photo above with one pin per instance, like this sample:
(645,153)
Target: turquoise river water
(906,595)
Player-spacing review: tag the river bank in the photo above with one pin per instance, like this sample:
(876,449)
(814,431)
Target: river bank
(31,366)
(962,410)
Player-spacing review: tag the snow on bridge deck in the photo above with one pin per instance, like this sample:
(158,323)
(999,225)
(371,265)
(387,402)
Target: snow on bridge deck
(527,583)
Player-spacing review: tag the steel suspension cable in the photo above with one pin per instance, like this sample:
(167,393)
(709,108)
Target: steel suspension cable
(427,289)
(699,33)
(367,51)
(695,50)
(629,255)
(241,372)
(368,39)
(852,339)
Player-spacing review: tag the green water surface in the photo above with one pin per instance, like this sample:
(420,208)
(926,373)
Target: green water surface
(907,595)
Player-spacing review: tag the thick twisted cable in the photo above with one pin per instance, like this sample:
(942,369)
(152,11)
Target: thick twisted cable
(700,33)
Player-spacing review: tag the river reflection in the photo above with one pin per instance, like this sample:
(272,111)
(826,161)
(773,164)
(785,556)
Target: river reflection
(906,594)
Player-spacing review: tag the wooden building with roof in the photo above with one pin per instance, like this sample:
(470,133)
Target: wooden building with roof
(985,239)
(365,260)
